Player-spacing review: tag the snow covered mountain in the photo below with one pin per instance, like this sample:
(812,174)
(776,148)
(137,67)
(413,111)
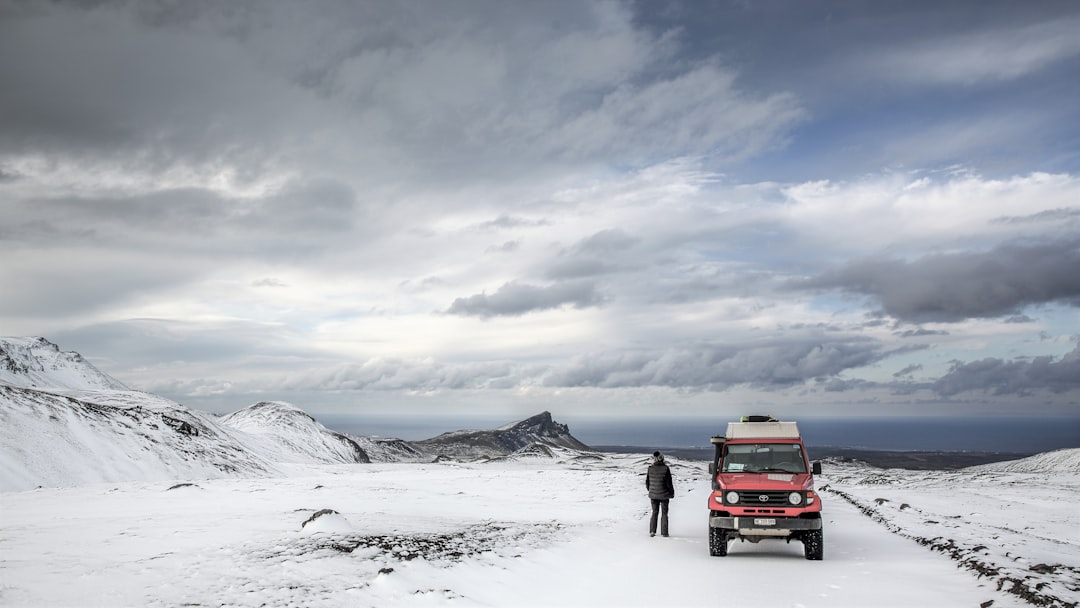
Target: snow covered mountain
(52,439)
(539,430)
(286,433)
(65,423)
(36,362)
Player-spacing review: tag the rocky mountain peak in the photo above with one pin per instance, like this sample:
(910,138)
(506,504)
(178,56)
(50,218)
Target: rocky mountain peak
(541,425)
(540,429)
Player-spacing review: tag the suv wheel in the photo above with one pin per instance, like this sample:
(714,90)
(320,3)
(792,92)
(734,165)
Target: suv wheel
(814,545)
(718,542)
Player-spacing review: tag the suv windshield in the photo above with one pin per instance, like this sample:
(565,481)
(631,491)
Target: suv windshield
(764,458)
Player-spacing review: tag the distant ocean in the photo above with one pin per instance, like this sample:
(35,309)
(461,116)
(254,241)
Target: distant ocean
(984,434)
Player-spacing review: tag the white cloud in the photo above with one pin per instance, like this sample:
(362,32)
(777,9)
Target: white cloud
(990,56)
(912,212)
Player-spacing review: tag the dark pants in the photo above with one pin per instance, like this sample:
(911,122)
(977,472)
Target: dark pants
(659,507)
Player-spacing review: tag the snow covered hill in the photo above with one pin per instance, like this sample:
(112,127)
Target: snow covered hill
(286,433)
(50,439)
(36,362)
(539,430)
(1064,461)
(65,423)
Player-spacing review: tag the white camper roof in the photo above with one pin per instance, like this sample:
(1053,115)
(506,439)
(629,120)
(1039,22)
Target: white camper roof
(762,430)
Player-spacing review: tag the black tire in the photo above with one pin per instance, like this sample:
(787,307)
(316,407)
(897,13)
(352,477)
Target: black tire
(814,545)
(718,542)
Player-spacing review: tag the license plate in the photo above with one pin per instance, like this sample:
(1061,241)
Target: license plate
(764,522)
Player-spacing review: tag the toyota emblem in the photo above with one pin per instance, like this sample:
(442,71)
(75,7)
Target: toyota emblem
(763,498)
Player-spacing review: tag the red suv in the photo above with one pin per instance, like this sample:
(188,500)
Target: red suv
(763,487)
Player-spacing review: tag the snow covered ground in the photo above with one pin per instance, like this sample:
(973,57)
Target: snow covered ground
(569,531)
(1015,523)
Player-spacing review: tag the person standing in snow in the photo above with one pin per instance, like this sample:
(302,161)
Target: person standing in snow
(661,489)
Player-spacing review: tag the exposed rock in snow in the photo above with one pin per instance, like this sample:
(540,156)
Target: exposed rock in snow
(327,521)
(286,433)
(538,430)
(388,449)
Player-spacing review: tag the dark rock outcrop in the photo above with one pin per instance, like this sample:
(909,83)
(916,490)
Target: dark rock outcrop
(539,430)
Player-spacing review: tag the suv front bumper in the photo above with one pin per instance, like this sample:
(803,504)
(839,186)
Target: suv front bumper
(765,526)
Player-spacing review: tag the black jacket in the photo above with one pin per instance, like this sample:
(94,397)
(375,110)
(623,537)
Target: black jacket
(659,483)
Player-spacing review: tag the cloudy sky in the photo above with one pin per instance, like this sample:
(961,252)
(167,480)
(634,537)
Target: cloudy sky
(603,208)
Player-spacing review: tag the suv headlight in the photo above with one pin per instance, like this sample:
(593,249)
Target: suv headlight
(795,498)
(732,498)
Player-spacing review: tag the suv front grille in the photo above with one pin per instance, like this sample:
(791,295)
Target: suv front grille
(751,498)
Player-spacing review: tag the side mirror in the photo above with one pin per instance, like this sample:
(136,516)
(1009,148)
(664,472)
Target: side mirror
(815,468)
(712,469)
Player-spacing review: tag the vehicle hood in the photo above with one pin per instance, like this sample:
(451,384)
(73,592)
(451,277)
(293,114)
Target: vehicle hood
(766,481)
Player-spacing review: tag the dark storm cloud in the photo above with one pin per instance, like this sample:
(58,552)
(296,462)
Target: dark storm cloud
(606,242)
(909,370)
(505,221)
(773,364)
(1019,377)
(602,253)
(921,332)
(442,91)
(299,208)
(93,82)
(135,343)
(513,299)
(957,286)
(1060,217)
(71,283)
(318,206)
(390,374)
(97,252)
(187,211)
(7,175)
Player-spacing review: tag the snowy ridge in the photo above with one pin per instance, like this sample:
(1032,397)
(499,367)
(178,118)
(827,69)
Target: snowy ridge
(1063,461)
(65,423)
(50,439)
(286,433)
(37,363)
